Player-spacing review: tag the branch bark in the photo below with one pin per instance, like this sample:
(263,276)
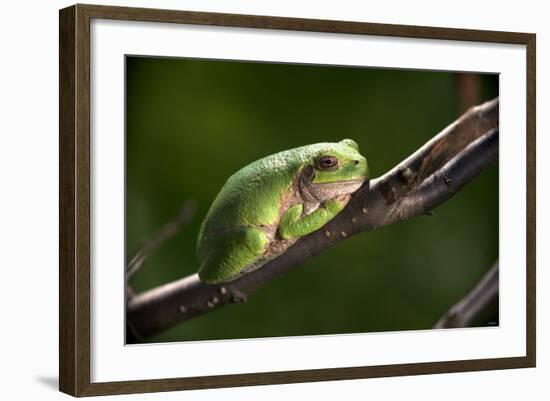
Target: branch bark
(423,181)
(468,308)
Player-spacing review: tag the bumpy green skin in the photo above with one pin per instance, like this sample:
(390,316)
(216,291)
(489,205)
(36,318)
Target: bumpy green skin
(261,209)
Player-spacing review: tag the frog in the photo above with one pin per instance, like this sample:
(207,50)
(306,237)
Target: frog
(268,205)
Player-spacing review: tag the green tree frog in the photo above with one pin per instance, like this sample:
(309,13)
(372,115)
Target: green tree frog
(269,204)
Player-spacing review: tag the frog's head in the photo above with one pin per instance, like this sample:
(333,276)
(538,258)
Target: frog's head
(336,169)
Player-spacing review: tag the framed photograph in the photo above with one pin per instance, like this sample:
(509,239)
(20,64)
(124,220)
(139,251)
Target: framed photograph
(251,200)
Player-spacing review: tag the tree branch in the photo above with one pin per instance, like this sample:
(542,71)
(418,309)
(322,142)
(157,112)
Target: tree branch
(423,181)
(468,308)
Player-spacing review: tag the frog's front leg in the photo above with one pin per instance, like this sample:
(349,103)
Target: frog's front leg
(295,224)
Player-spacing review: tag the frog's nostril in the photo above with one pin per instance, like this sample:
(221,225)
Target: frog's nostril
(356,162)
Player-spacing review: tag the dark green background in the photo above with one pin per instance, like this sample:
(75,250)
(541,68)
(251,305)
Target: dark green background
(192,123)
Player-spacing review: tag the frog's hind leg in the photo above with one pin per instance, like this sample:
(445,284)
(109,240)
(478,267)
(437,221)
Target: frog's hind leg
(232,252)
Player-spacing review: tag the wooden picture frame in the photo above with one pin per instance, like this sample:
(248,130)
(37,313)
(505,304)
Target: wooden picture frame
(74,206)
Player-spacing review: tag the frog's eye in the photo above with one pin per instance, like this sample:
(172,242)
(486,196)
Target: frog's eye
(327,163)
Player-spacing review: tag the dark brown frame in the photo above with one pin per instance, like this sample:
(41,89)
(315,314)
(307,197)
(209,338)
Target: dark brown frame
(74,203)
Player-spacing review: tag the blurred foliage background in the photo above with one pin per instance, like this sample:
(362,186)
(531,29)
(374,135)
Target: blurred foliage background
(192,123)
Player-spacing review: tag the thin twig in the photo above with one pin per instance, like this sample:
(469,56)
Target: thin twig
(166,232)
(423,181)
(476,301)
